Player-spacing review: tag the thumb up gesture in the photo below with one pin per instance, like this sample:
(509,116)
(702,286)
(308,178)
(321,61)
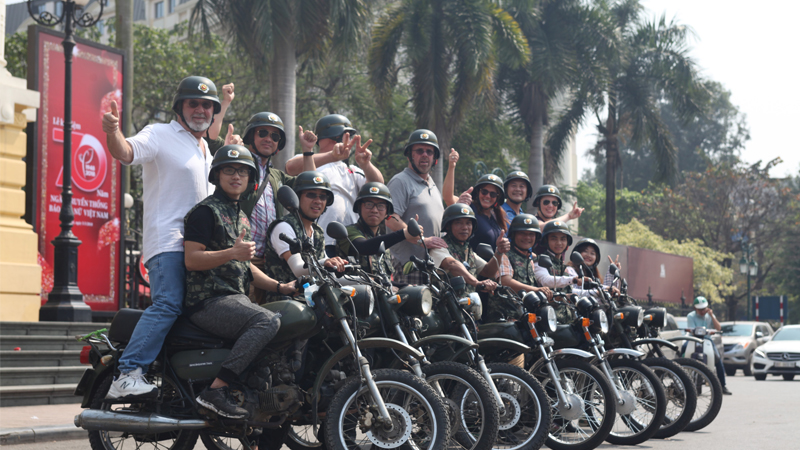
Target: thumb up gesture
(242,250)
(111,119)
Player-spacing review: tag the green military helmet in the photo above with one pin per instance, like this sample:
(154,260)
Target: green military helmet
(313,180)
(233,154)
(377,190)
(557,226)
(332,126)
(524,222)
(264,119)
(196,87)
(588,242)
(458,211)
(519,175)
(493,180)
(545,190)
(422,136)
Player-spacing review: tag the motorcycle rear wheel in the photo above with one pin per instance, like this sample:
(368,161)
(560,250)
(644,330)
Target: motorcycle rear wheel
(171,395)
(527,419)
(681,396)
(709,393)
(651,403)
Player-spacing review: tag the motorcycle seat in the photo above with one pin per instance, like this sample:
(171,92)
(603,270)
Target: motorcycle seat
(182,334)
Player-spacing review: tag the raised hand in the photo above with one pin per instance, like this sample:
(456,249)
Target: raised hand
(453,159)
(575,212)
(307,140)
(363,155)
(616,263)
(502,245)
(227,94)
(231,138)
(243,250)
(466,197)
(111,119)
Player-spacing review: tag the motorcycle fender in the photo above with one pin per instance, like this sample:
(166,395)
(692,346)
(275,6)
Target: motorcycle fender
(504,344)
(686,338)
(90,382)
(656,342)
(363,344)
(564,352)
(465,345)
(614,352)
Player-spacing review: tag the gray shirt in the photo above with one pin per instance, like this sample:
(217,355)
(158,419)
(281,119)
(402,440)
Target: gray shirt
(411,195)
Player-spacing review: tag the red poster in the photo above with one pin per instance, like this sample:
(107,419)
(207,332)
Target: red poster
(96,176)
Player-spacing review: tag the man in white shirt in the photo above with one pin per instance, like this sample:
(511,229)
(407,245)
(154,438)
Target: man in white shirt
(346,180)
(175,163)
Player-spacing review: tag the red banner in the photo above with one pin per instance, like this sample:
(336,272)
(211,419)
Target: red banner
(96,176)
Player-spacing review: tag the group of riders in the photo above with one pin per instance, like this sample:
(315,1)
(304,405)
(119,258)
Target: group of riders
(212,227)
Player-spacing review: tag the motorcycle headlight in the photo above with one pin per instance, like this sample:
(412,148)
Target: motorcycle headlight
(659,317)
(362,297)
(600,321)
(700,331)
(416,300)
(633,316)
(549,321)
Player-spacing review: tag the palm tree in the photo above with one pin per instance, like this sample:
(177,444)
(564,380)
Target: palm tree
(650,60)
(564,37)
(275,33)
(449,49)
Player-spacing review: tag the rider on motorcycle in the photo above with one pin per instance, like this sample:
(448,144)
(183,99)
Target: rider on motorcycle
(219,273)
(703,316)
(523,233)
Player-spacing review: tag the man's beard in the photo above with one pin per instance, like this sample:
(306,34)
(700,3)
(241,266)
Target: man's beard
(198,127)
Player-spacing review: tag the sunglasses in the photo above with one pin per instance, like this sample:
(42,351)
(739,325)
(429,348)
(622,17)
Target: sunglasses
(242,171)
(379,206)
(491,194)
(424,151)
(548,202)
(313,196)
(264,133)
(341,136)
(206,104)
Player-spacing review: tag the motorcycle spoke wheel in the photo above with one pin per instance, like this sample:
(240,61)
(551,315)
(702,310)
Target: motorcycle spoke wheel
(709,393)
(302,437)
(639,384)
(680,395)
(526,420)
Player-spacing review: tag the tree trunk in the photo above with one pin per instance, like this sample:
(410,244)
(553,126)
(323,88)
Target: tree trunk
(283,87)
(536,155)
(612,155)
(124,41)
(443,135)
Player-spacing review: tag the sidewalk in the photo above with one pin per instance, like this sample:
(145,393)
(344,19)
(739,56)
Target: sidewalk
(41,423)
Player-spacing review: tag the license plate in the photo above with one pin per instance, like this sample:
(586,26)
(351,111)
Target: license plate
(785,365)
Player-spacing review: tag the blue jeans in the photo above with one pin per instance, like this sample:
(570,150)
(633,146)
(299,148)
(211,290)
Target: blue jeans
(167,287)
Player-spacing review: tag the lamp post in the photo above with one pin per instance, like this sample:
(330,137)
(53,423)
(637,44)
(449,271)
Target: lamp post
(748,266)
(65,302)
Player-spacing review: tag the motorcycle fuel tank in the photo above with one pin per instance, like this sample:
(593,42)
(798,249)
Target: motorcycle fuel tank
(298,321)
(506,330)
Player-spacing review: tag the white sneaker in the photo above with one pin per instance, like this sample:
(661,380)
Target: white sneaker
(131,384)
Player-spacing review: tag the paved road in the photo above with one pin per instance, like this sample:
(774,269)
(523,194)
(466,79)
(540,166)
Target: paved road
(757,415)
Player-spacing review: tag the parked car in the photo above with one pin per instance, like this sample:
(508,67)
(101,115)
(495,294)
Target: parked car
(779,356)
(739,341)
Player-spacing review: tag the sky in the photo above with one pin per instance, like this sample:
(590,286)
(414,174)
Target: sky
(748,47)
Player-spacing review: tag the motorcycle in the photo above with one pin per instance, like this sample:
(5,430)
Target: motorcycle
(290,382)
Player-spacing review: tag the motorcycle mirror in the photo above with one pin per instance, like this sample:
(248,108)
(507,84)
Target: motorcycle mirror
(382,249)
(485,251)
(336,230)
(614,269)
(458,283)
(413,228)
(288,198)
(544,261)
(531,301)
(576,258)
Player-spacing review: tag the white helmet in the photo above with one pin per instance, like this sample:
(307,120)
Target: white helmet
(700,303)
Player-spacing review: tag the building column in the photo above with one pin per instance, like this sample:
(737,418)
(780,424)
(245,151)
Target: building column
(20,274)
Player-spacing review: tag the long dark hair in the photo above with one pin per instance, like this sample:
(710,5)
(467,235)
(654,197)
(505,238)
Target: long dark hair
(499,214)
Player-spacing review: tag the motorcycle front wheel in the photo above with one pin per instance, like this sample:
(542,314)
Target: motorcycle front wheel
(526,419)
(681,397)
(639,421)
(419,416)
(709,393)
(170,400)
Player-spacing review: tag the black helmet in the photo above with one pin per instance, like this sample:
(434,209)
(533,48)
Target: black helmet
(196,87)
(232,154)
(519,175)
(556,226)
(547,189)
(422,137)
(588,242)
(524,222)
(458,211)
(264,119)
(493,180)
(313,180)
(333,125)
(377,190)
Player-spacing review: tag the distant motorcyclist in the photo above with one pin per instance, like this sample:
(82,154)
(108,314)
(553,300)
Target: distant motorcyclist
(219,274)
(703,316)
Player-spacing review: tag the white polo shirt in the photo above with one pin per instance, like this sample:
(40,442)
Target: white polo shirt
(174,178)
(346,181)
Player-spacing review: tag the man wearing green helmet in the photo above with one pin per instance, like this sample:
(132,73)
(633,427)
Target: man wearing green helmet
(175,162)
(314,193)
(518,191)
(336,137)
(219,274)
(703,316)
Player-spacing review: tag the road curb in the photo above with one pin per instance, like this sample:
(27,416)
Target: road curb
(13,436)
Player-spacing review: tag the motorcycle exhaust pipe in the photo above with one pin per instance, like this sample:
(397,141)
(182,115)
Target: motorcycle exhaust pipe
(99,420)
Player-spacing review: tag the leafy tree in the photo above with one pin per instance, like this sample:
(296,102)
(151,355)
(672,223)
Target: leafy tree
(592,197)
(16,54)
(650,61)
(711,278)
(448,50)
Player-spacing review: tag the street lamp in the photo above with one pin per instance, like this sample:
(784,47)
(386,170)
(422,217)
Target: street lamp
(65,302)
(748,266)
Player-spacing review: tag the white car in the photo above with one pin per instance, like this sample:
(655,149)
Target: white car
(779,356)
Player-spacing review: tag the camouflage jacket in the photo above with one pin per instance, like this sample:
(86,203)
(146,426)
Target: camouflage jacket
(564,312)
(368,262)
(465,254)
(232,277)
(522,263)
(277,267)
